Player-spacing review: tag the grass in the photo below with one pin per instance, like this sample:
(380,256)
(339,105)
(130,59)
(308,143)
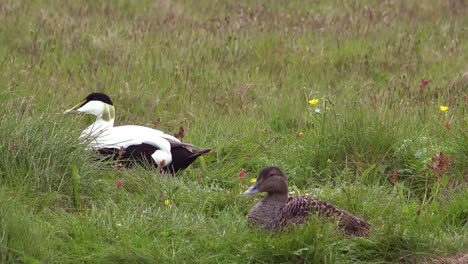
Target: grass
(238,77)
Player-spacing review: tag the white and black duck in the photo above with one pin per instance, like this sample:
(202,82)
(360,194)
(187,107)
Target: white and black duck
(132,143)
(278,210)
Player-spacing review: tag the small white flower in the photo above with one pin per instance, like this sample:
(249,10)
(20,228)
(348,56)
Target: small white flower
(317,110)
(420,153)
(423,139)
(407,142)
(405,171)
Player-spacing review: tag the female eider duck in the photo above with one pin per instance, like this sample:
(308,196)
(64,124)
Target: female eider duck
(278,210)
(132,143)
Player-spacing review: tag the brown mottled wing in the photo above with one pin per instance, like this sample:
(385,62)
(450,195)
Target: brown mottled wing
(295,211)
(349,223)
(298,207)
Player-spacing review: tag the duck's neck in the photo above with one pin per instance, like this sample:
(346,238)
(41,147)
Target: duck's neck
(104,121)
(267,212)
(279,199)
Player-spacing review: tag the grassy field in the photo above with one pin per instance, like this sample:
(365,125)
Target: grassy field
(390,77)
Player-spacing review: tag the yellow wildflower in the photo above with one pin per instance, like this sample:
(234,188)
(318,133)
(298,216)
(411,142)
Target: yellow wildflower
(313,101)
(299,134)
(253,180)
(443,108)
(167,202)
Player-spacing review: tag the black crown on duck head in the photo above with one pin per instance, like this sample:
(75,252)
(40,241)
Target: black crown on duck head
(98,97)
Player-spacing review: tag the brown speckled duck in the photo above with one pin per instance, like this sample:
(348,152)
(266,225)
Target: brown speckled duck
(278,210)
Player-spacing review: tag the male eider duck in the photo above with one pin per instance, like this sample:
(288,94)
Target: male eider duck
(278,210)
(135,144)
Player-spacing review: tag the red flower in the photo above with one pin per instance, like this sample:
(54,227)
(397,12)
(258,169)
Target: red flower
(241,175)
(423,84)
(180,135)
(394,177)
(448,125)
(440,163)
(121,153)
(119,183)
(157,121)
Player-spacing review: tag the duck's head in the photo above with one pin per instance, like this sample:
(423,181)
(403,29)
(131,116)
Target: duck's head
(97,104)
(270,180)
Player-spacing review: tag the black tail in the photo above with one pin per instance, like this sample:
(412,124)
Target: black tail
(201,152)
(353,225)
(347,222)
(182,157)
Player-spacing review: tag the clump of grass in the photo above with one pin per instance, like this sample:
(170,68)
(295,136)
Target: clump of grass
(23,237)
(39,151)
(76,186)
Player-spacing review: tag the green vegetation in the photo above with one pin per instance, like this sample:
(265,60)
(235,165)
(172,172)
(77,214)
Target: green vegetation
(238,76)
